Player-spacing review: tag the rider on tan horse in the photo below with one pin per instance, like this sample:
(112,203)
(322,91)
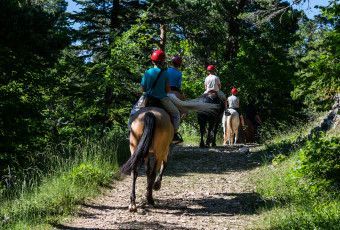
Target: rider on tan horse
(176,77)
(156,84)
(152,132)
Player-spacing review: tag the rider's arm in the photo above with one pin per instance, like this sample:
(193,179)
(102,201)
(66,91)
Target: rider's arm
(257,117)
(219,86)
(143,89)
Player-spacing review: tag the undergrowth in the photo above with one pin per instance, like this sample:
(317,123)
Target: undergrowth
(72,172)
(299,183)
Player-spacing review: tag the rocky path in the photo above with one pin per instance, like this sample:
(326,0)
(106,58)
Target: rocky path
(201,189)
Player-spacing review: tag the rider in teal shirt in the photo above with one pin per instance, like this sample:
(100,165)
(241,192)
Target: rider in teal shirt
(150,76)
(160,91)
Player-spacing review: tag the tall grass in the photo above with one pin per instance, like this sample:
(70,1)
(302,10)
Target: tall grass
(293,200)
(65,176)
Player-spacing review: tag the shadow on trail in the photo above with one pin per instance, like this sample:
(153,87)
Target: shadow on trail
(149,225)
(239,204)
(60,226)
(219,159)
(130,225)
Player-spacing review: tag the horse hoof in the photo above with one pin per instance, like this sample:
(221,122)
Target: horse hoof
(157,186)
(132,208)
(151,202)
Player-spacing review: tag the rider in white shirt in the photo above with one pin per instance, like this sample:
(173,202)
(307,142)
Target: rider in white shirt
(234,103)
(212,82)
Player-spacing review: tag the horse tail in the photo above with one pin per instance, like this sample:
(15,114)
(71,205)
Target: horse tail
(230,123)
(224,123)
(143,146)
(192,104)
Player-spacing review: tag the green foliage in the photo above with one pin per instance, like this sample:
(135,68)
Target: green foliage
(320,160)
(73,172)
(83,175)
(296,185)
(317,81)
(31,43)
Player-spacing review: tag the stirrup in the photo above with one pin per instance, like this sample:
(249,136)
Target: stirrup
(177,139)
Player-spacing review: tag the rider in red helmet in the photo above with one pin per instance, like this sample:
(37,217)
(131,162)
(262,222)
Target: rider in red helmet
(213,83)
(234,103)
(210,68)
(176,75)
(160,90)
(158,56)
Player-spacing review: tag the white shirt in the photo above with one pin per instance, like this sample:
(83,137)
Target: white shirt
(233,102)
(212,82)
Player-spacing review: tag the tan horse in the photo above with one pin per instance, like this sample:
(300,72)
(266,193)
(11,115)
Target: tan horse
(152,132)
(231,125)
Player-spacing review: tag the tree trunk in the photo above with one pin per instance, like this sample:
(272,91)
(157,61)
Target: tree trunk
(162,41)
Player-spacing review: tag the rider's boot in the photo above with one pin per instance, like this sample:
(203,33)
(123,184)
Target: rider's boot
(177,139)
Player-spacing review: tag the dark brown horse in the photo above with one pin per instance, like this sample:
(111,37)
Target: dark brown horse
(213,118)
(247,135)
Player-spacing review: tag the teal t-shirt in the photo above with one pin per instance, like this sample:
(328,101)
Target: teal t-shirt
(150,76)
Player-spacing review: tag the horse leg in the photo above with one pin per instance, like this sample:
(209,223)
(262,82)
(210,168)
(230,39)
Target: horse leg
(214,136)
(132,206)
(151,176)
(158,182)
(202,131)
(170,149)
(236,136)
(232,137)
(210,134)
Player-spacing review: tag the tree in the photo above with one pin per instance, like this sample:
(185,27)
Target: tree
(317,80)
(31,42)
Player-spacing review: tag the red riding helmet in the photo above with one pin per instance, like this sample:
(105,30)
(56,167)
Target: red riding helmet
(177,60)
(234,91)
(158,55)
(211,67)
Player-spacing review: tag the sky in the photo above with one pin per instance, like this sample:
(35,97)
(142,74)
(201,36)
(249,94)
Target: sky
(308,7)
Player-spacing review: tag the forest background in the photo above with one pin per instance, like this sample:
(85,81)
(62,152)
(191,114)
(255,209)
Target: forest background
(60,82)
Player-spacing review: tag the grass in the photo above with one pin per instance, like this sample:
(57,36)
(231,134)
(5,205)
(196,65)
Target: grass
(192,136)
(292,200)
(73,172)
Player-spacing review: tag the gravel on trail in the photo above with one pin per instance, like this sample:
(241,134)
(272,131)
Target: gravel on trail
(201,189)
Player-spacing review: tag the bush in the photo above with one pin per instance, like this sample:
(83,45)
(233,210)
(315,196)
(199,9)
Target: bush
(320,159)
(85,174)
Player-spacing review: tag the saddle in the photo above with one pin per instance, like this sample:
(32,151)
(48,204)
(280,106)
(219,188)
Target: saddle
(212,91)
(155,102)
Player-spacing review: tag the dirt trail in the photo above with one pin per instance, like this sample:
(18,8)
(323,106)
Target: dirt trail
(201,189)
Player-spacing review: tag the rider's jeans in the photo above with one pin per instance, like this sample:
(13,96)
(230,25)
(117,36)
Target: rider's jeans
(168,105)
(172,109)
